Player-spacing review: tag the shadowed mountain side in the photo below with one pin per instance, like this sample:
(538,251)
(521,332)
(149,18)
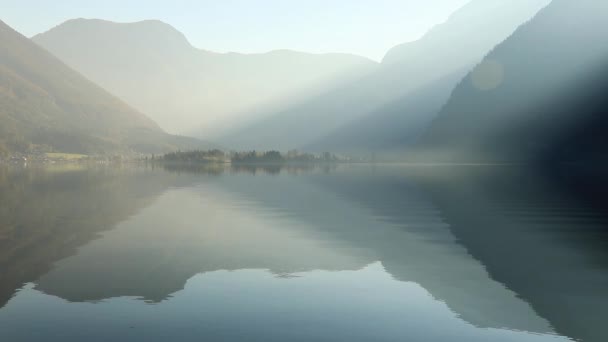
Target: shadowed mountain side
(297,125)
(458,44)
(386,133)
(45,103)
(47,215)
(534,96)
(153,67)
(581,136)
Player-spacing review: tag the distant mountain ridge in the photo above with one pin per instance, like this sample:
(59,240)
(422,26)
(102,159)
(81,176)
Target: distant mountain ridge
(354,115)
(153,67)
(468,21)
(46,104)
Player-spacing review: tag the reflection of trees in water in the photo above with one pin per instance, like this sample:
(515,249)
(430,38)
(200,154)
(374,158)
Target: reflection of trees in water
(196,168)
(275,169)
(252,169)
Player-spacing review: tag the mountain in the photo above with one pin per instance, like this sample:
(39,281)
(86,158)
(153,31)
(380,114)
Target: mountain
(154,68)
(46,105)
(427,66)
(538,96)
(382,134)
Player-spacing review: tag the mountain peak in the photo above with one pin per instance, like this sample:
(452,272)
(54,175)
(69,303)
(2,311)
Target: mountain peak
(101,23)
(153,33)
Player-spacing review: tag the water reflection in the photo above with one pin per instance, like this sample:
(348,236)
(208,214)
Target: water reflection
(539,238)
(341,253)
(46,214)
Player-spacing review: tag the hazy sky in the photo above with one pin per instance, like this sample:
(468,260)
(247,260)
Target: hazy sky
(363,27)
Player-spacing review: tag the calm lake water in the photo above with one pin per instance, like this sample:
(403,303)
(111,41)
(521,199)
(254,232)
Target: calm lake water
(344,253)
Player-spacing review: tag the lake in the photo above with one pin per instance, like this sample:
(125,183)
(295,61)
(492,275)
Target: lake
(318,253)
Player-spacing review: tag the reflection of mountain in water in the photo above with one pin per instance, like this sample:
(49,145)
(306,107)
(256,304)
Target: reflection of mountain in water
(47,214)
(530,235)
(388,216)
(537,241)
(182,234)
(285,224)
(459,233)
